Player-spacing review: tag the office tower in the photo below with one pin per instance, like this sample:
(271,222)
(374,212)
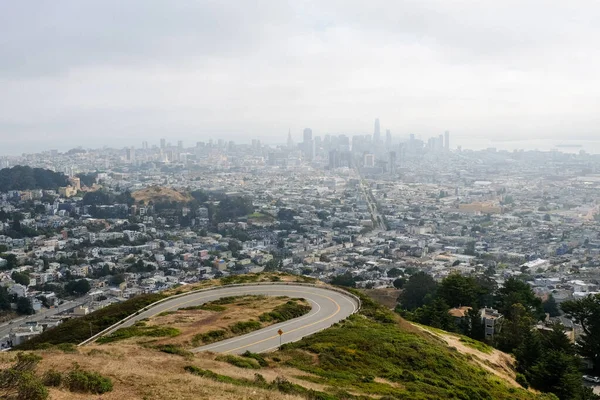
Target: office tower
(130,154)
(145,145)
(179,145)
(334,160)
(369,160)
(447,140)
(388,138)
(307,135)
(308,144)
(163,143)
(344,143)
(377,132)
(290,142)
(392,162)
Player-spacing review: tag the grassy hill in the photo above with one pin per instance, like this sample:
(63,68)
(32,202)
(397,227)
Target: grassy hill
(157,194)
(372,354)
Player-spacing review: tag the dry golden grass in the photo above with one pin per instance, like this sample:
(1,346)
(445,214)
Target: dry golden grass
(262,277)
(387,297)
(158,194)
(139,373)
(193,322)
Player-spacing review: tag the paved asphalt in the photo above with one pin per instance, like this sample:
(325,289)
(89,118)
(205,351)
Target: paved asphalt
(6,327)
(328,307)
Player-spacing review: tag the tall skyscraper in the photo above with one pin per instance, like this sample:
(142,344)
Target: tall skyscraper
(392,161)
(308,145)
(377,132)
(447,140)
(130,154)
(290,142)
(388,138)
(307,135)
(163,143)
(369,160)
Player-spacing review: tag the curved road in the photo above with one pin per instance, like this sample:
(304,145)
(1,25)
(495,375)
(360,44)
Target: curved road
(328,307)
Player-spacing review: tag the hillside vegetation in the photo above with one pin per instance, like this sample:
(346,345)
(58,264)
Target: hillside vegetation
(158,194)
(26,178)
(372,354)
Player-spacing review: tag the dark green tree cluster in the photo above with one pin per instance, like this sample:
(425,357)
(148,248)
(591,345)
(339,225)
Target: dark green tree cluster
(546,360)
(26,178)
(19,382)
(549,363)
(586,311)
(88,179)
(78,288)
(233,207)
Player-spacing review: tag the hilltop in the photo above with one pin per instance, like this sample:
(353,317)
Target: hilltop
(158,194)
(372,354)
(26,178)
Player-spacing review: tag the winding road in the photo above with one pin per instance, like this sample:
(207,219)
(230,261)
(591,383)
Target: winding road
(328,307)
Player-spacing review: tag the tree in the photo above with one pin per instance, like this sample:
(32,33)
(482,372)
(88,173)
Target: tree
(417,289)
(516,291)
(550,306)
(20,278)
(586,311)
(344,280)
(235,247)
(394,272)
(79,287)
(399,283)
(4,299)
(24,306)
(436,315)
(457,290)
(11,261)
(515,326)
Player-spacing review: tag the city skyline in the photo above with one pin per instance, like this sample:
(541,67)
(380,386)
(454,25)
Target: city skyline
(92,76)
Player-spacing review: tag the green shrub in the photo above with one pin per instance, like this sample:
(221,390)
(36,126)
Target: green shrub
(174,349)
(261,360)
(522,380)
(245,327)
(76,330)
(284,312)
(209,337)
(136,331)
(30,388)
(239,362)
(67,347)
(88,382)
(52,378)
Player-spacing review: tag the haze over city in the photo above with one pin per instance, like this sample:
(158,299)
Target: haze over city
(106,73)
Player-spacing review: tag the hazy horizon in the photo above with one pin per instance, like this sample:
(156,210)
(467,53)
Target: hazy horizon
(114,73)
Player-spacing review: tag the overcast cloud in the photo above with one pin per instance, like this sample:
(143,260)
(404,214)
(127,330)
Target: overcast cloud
(115,73)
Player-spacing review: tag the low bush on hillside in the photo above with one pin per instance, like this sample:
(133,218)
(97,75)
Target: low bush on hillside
(289,310)
(209,337)
(19,382)
(244,327)
(258,357)
(373,344)
(139,330)
(76,330)
(174,349)
(239,362)
(279,384)
(82,381)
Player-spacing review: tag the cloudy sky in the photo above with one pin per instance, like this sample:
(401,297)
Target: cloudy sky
(115,72)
